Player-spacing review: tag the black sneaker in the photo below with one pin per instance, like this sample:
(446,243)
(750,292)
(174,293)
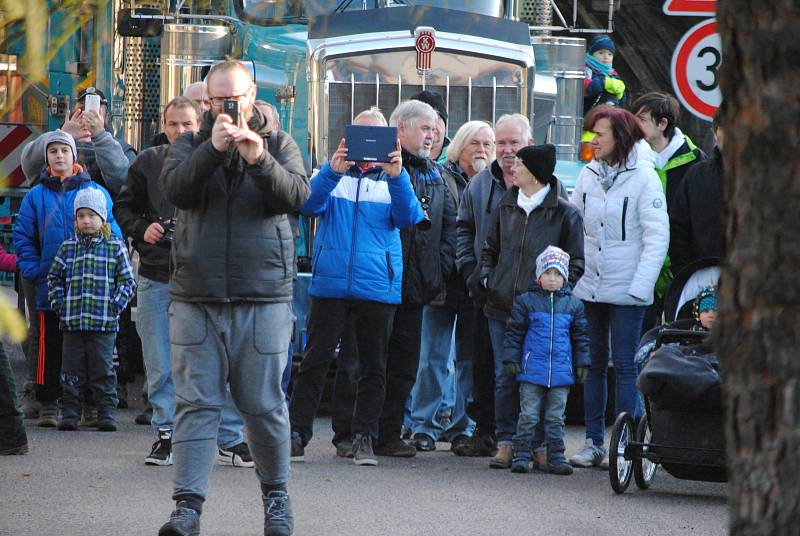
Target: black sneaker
(423,442)
(183,521)
(15,450)
(237,456)
(68,425)
(362,451)
(521,465)
(278,518)
(298,450)
(465,446)
(145,416)
(344,448)
(396,448)
(161,453)
(106,425)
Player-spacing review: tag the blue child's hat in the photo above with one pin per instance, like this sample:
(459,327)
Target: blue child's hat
(602,42)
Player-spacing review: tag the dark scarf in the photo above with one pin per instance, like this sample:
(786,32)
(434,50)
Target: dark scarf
(415,163)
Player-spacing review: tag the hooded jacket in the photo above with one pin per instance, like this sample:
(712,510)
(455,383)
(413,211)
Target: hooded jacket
(47,218)
(357,250)
(514,240)
(428,255)
(233,241)
(683,157)
(141,202)
(695,214)
(626,230)
(547,335)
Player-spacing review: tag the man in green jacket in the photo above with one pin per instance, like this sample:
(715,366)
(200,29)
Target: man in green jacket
(658,115)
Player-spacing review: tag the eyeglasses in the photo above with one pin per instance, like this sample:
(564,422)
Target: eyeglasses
(217,101)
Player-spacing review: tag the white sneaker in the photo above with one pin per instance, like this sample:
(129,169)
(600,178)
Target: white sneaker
(589,455)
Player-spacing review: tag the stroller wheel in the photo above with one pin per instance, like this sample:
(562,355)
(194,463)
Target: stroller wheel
(644,471)
(620,469)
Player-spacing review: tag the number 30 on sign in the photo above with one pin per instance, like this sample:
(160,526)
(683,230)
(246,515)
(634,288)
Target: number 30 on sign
(694,69)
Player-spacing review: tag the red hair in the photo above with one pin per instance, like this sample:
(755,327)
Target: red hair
(624,127)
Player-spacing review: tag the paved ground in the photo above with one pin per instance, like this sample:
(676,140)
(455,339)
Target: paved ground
(91,483)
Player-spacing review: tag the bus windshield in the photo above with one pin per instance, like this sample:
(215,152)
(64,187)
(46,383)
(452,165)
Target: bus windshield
(271,12)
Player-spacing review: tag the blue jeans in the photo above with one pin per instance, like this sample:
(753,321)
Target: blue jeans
(624,322)
(506,392)
(434,383)
(152,323)
(532,398)
(241,345)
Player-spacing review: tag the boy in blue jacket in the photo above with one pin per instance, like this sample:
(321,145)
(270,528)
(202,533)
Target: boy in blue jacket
(547,348)
(90,283)
(45,220)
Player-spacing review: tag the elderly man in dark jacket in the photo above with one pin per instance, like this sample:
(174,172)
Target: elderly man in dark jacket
(231,286)
(428,259)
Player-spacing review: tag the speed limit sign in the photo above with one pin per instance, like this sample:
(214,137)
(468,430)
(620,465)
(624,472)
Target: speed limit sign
(694,69)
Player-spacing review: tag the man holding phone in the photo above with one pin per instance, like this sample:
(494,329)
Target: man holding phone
(105,158)
(232,267)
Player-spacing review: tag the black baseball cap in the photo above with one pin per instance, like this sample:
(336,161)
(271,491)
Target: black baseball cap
(91,90)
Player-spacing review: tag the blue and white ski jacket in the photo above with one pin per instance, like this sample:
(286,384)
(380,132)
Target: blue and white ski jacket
(357,252)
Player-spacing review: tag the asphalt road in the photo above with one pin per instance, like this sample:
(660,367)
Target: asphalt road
(91,483)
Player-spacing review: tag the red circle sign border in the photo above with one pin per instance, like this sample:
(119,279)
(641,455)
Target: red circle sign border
(679,67)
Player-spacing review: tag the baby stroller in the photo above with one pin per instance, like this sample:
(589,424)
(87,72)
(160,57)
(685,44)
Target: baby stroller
(682,428)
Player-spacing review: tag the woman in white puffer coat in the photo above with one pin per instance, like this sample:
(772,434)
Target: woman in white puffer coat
(626,235)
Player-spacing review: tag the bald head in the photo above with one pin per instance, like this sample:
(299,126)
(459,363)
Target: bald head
(199,94)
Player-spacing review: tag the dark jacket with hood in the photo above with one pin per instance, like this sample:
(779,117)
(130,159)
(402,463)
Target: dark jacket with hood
(695,214)
(428,255)
(515,239)
(141,202)
(233,241)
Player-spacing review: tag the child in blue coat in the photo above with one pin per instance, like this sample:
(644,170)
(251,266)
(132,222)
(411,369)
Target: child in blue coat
(547,348)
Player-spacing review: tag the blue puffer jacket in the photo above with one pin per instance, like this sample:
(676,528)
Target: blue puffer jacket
(357,251)
(46,218)
(547,335)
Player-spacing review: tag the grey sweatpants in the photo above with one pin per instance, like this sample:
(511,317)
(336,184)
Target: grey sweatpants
(244,344)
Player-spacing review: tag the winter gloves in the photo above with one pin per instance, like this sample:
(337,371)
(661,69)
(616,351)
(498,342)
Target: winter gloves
(614,86)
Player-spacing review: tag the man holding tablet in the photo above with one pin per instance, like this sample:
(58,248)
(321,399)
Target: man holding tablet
(357,274)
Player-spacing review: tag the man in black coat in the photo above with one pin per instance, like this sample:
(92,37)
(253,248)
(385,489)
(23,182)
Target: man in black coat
(695,215)
(429,251)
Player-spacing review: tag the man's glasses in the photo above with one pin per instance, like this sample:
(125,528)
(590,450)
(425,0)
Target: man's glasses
(217,101)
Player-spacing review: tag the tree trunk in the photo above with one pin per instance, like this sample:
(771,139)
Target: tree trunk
(759,324)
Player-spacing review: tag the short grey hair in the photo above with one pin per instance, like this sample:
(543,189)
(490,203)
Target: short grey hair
(409,110)
(374,112)
(464,136)
(521,121)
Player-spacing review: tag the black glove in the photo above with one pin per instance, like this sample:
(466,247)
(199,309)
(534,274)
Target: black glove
(476,288)
(511,367)
(581,373)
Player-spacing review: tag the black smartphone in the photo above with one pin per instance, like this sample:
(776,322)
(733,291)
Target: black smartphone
(231,108)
